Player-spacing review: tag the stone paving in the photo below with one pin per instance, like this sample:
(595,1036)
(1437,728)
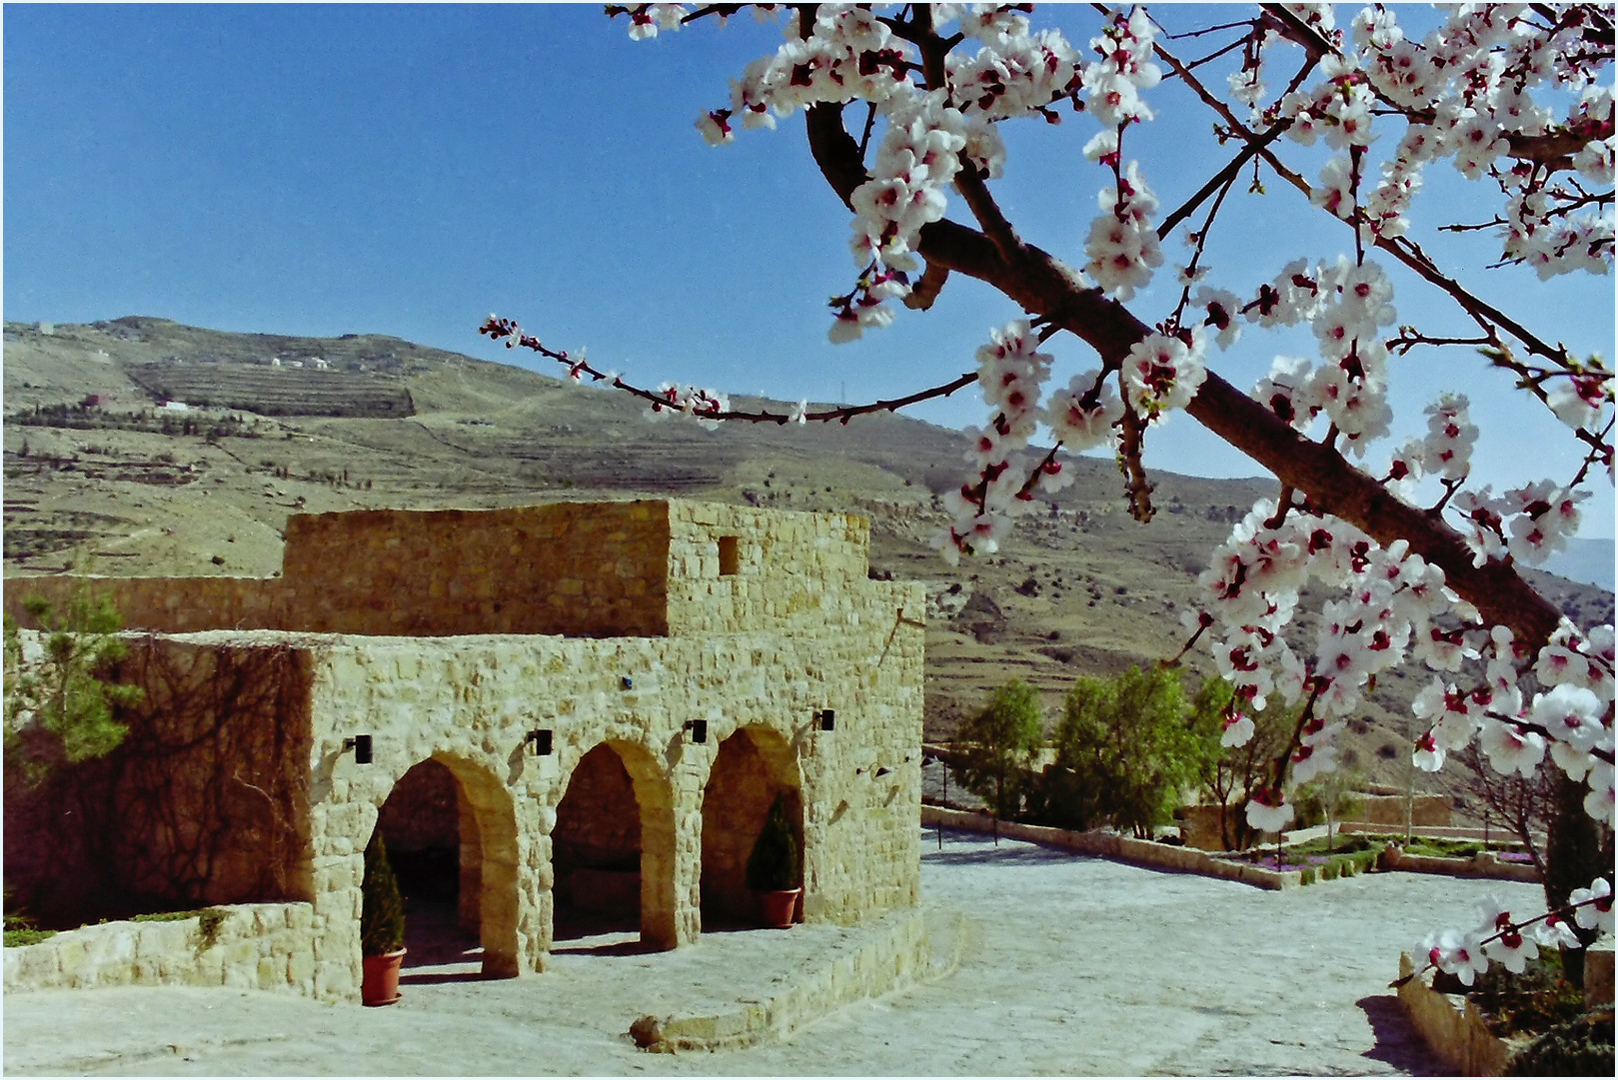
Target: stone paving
(1071,965)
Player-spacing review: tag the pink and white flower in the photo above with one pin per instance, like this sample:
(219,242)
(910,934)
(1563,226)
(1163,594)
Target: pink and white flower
(1460,955)
(1596,910)
(1267,810)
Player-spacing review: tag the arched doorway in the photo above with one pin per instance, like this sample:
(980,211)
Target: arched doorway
(451,833)
(753,766)
(612,849)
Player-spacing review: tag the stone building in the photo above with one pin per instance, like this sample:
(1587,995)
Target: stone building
(588,704)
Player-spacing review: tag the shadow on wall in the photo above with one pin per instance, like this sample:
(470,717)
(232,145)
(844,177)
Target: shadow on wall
(596,849)
(456,832)
(753,766)
(204,801)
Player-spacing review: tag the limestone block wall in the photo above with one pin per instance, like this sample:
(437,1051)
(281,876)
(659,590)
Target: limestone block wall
(734,569)
(204,802)
(253,946)
(596,823)
(450,635)
(590,569)
(580,569)
(1432,810)
(469,702)
(172,605)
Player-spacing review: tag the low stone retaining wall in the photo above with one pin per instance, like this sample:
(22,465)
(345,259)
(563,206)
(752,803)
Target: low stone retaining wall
(1452,1026)
(1123,848)
(1485,864)
(1496,835)
(899,953)
(253,946)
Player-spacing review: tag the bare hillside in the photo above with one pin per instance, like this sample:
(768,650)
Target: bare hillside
(98,474)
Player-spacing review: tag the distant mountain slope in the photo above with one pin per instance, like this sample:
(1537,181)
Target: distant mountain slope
(1589,561)
(127,488)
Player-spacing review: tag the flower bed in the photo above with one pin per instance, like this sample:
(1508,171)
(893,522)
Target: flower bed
(1528,1024)
(1314,860)
(1483,864)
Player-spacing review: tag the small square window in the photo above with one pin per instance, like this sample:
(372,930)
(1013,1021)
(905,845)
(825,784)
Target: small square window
(730,555)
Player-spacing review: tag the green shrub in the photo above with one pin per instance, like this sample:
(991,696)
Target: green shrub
(996,747)
(1580,1047)
(26,936)
(61,709)
(212,920)
(382,923)
(1125,749)
(1329,871)
(1306,876)
(1538,999)
(776,863)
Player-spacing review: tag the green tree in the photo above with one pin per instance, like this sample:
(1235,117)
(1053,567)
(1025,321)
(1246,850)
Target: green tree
(776,863)
(996,748)
(60,700)
(1125,750)
(382,921)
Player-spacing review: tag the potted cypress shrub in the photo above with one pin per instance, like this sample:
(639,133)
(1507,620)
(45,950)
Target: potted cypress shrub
(382,927)
(775,868)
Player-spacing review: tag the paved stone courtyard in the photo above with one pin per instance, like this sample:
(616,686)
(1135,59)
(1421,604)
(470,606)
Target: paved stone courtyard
(1071,965)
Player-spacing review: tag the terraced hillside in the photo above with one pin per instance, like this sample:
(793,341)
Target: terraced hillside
(275,391)
(125,488)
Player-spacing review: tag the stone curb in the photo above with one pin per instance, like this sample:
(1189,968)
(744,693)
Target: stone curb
(1453,1028)
(254,946)
(899,956)
(1482,865)
(1145,853)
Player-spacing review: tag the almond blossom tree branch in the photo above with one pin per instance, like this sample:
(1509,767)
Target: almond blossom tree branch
(1047,287)
(1561,913)
(505,329)
(1405,251)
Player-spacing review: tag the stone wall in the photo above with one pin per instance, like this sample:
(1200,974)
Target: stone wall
(204,802)
(791,570)
(631,569)
(1425,810)
(253,946)
(470,702)
(1452,1026)
(172,605)
(743,619)
(421,811)
(1113,846)
(596,845)
(587,569)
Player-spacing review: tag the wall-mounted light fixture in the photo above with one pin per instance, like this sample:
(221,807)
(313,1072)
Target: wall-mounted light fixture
(627,683)
(540,739)
(826,719)
(698,730)
(361,745)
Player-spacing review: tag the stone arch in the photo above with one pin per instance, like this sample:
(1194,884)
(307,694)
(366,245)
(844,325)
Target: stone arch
(613,845)
(452,801)
(752,767)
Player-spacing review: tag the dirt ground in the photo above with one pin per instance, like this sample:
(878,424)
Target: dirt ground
(1071,965)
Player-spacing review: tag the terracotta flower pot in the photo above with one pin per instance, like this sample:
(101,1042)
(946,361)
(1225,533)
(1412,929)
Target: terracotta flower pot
(381,983)
(777,909)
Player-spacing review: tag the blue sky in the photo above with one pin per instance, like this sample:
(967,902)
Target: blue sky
(407,170)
